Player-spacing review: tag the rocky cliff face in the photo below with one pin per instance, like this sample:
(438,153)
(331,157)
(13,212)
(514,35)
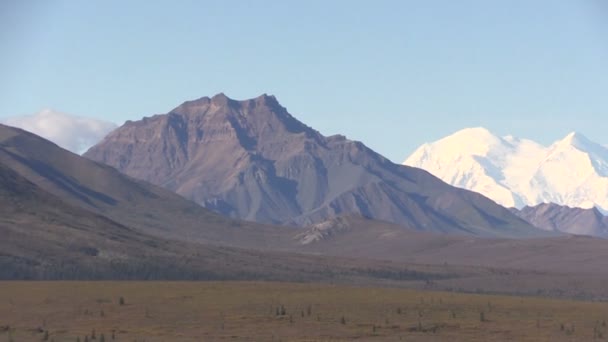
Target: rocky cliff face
(554,217)
(252,160)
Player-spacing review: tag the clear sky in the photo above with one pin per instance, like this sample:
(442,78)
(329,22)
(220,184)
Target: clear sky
(393,74)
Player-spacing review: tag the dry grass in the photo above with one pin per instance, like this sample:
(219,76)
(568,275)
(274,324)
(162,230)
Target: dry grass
(247,311)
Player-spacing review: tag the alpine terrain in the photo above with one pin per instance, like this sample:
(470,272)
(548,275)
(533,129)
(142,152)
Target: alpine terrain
(252,160)
(553,217)
(66,217)
(519,172)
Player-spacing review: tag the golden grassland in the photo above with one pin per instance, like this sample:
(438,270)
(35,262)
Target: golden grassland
(260,311)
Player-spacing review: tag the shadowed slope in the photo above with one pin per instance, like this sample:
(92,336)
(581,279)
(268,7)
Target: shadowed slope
(252,160)
(559,218)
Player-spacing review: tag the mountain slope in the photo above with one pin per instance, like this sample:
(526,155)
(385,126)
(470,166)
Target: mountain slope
(354,236)
(553,217)
(252,160)
(66,232)
(46,238)
(57,222)
(104,191)
(518,172)
(73,133)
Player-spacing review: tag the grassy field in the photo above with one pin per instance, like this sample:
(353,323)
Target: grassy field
(247,311)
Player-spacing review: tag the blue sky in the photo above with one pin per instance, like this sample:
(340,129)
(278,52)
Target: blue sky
(393,74)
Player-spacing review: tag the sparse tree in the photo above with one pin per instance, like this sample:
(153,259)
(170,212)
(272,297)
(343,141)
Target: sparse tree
(594,332)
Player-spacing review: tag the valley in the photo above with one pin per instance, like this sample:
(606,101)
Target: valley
(271,311)
(239,171)
(66,217)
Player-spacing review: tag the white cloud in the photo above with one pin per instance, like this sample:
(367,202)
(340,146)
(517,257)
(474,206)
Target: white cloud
(73,133)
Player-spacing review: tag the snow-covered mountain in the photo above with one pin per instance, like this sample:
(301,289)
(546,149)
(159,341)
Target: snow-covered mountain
(518,172)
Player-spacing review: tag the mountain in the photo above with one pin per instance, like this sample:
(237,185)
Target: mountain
(74,133)
(553,217)
(102,190)
(252,160)
(44,237)
(65,217)
(518,172)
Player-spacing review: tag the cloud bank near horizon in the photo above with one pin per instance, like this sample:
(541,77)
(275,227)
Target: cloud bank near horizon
(74,133)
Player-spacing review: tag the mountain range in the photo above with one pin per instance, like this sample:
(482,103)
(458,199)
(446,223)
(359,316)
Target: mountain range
(518,172)
(559,218)
(254,161)
(63,216)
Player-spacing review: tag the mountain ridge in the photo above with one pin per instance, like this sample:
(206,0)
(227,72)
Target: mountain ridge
(253,160)
(571,220)
(517,172)
(58,221)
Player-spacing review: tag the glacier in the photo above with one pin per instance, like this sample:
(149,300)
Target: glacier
(517,172)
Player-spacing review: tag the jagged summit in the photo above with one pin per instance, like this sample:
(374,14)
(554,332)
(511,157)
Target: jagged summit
(561,218)
(574,139)
(253,160)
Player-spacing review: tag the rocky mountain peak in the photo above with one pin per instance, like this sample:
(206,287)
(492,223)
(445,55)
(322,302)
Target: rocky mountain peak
(562,218)
(222,100)
(253,160)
